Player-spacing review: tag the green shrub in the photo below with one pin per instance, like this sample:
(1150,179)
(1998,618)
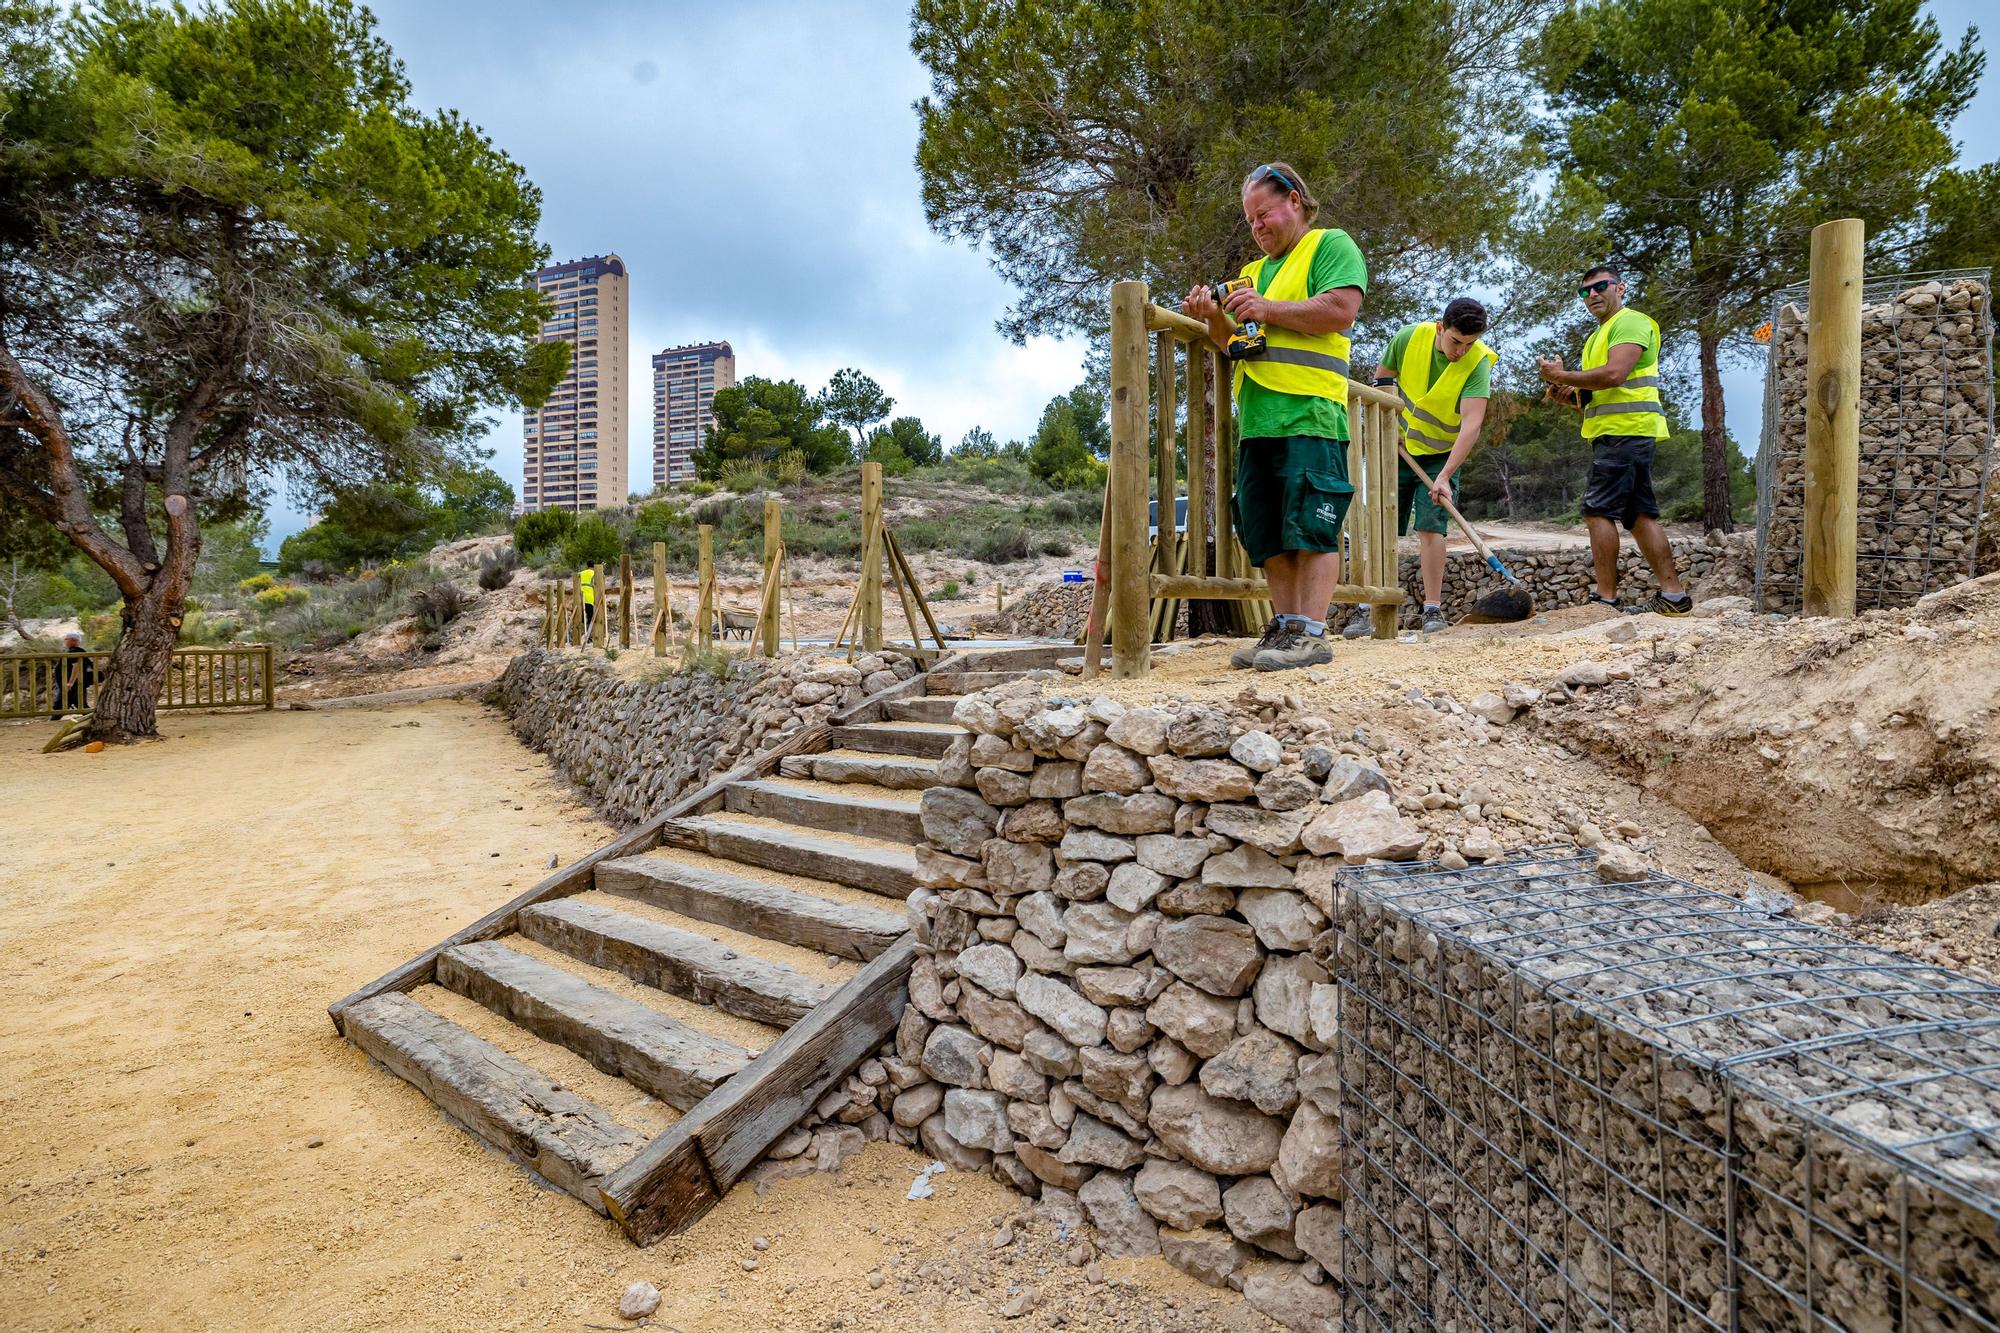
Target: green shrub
(438,605)
(594,542)
(255,583)
(949,592)
(701,488)
(542,530)
(497,571)
(743,476)
(283,594)
(1002,543)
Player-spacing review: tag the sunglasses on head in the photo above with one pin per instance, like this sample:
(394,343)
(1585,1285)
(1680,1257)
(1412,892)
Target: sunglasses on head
(1600,285)
(1269,172)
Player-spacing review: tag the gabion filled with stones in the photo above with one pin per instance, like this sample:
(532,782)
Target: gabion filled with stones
(1575,1104)
(1926,439)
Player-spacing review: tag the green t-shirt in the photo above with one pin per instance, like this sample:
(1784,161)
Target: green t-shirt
(1479,384)
(1629,326)
(1266,413)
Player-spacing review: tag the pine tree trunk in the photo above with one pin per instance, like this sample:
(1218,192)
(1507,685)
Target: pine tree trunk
(126,703)
(1715,501)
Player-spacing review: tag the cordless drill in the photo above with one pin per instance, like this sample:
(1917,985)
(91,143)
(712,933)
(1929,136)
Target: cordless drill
(1248,337)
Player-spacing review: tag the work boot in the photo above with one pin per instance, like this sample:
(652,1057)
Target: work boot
(1293,649)
(1244,657)
(1661,604)
(1359,625)
(1434,619)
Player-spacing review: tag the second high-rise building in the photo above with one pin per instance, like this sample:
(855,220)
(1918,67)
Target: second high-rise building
(685,381)
(573,449)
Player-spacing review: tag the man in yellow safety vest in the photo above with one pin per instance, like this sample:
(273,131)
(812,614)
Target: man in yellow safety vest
(1292,490)
(1619,387)
(1444,374)
(587,576)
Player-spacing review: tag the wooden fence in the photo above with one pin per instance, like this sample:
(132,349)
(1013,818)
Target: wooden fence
(1147,577)
(41,684)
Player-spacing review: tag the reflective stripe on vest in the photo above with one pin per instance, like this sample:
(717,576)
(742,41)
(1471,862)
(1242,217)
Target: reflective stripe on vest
(1634,407)
(589,579)
(1431,413)
(1309,365)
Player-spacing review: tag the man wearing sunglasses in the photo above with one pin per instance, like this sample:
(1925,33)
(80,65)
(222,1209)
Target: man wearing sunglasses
(1292,491)
(1623,418)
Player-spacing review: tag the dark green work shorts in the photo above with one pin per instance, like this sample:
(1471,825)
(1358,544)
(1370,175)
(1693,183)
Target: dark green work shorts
(1292,494)
(1415,510)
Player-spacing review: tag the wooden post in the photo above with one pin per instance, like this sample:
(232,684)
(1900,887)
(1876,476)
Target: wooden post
(1833,417)
(767,606)
(1201,422)
(1165,464)
(597,617)
(576,609)
(704,613)
(999,598)
(1131,583)
(1384,437)
(871,558)
(270,682)
(663,600)
(624,601)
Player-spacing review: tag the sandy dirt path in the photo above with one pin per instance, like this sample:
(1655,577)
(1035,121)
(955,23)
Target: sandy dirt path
(175,917)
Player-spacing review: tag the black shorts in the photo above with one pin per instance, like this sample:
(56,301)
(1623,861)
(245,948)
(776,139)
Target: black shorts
(1621,479)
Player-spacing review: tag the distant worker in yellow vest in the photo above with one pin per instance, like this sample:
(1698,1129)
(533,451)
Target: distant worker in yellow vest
(1444,375)
(588,577)
(1292,490)
(1623,418)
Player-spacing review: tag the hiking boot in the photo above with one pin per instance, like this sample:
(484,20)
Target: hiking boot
(1662,605)
(1244,657)
(1293,649)
(1359,625)
(1598,599)
(1434,620)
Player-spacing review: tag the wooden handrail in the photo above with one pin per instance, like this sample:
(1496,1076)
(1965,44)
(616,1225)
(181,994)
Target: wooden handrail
(1159,319)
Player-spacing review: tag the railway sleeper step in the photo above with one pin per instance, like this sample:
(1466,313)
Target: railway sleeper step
(742,902)
(827,807)
(921,740)
(876,867)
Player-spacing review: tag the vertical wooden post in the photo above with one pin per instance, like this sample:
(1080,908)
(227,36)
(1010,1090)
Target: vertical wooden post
(597,617)
(1200,422)
(704,612)
(1131,575)
(1833,417)
(624,601)
(270,682)
(1225,476)
(1165,464)
(548,615)
(999,598)
(767,606)
(663,600)
(576,607)
(1384,438)
(871,557)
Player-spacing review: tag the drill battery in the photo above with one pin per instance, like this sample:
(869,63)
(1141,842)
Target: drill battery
(1248,339)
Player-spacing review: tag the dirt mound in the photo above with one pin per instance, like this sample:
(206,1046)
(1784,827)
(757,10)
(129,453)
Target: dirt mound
(1859,760)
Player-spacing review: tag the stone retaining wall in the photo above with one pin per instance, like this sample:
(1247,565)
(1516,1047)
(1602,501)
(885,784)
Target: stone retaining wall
(636,742)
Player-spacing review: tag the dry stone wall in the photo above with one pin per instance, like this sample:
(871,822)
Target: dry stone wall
(1926,441)
(635,743)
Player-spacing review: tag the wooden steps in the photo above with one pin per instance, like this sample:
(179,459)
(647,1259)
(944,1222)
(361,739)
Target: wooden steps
(926,708)
(676,1063)
(857,808)
(675,960)
(754,906)
(878,867)
(640,1026)
(566,1140)
(973,681)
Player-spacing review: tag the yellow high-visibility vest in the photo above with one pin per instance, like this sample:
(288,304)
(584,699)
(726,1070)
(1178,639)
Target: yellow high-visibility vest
(1431,415)
(1634,407)
(1311,365)
(589,580)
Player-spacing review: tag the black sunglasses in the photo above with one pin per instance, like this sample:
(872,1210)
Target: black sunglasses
(1269,172)
(1598,286)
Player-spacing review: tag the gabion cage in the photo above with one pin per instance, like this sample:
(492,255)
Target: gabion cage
(1926,438)
(1572,1105)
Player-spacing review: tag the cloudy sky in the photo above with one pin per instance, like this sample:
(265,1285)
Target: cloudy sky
(753,165)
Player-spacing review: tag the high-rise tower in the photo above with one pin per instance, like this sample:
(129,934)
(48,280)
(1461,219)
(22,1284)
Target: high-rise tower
(573,450)
(685,380)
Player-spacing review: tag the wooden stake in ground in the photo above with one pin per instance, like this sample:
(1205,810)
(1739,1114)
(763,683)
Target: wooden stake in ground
(870,599)
(767,603)
(597,617)
(663,600)
(1100,601)
(576,608)
(703,634)
(908,579)
(1131,577)
(624,601)
(1833,418)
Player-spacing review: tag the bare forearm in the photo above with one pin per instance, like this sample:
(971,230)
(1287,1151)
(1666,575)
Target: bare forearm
(1330,312)
(1604,377)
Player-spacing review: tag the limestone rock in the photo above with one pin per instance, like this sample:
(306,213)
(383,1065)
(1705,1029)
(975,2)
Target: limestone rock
(1090,845)
(1113,985)
(1113,768)
(1037,821)
(996,1020)
(1480,845)
(978,1119)
(1308,1161)
(1365,828)
(1051,1169)
(1619,864)
(1201,780)
(1276,831)
(1217,953)
(919,1104)
(1257,1211)
(1145,812)
(1074,1018)
(1173,1062)
(952,1056)
(1196,898)
(1178,1194)
(1257,751)
(1058,781)
(1259,1067)
(1246,867)
(1286,789)
(1282,919)
(993,966)
(939,1143)
(1017,867)
(1207,1254)
(957,820)
(1041,914)
(640,1299)
(1584,674)
(1199,732)
(1095,1143)
(1205,1024)
(1350,778)
(941,870)
(1104,933)
(1225,1137)
(1080,881)
(1000,786)
(1284,995)
(1284,1294)
(1121,1077)
(1124,1228)
(1143,730)
(1316,1230)
(1133,887)
(1175,857)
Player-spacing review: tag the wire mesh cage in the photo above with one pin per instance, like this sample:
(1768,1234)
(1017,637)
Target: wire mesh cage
(1926,438)
(1574,1105)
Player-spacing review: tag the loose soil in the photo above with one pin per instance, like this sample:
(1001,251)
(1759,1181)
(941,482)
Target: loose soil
(191,1146)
